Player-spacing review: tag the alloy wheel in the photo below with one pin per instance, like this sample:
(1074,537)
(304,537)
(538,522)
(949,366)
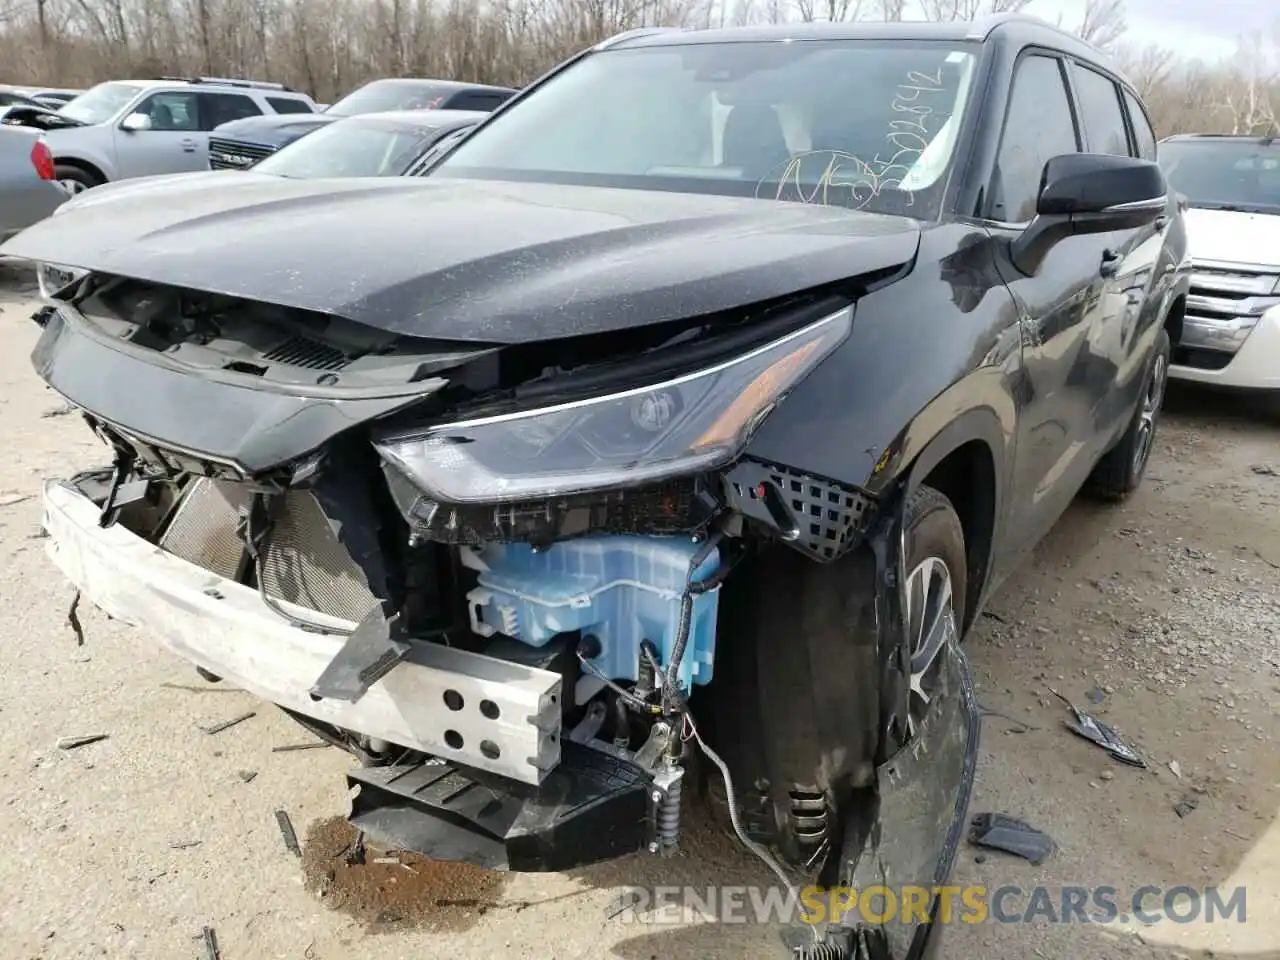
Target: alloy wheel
(1151,403)
(931,624)
(74,186)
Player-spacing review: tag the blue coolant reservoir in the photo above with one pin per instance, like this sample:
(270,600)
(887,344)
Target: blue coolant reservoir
(621,589)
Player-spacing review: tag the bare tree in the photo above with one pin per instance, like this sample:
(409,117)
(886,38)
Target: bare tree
(1103,24)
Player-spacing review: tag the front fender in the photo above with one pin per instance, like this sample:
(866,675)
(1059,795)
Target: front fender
(75,146)
(923,353)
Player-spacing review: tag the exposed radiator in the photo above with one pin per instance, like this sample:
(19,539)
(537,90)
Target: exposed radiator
(303,561)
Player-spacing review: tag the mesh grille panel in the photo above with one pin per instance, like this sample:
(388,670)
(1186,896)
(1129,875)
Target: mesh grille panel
(304,562)
(203,529)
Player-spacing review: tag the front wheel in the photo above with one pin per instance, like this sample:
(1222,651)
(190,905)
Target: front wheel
(1119,473)
(796,706)
(74,179)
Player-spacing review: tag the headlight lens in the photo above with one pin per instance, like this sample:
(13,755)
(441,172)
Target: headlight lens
(695,422)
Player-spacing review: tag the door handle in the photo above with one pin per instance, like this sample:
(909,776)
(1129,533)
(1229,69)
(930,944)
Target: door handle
(1110,263)
(188,145)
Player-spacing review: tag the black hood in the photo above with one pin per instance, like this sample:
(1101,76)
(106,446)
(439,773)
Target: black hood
(481,261)
(273,130)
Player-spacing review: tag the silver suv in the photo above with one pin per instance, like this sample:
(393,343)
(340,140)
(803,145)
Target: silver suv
(137,128)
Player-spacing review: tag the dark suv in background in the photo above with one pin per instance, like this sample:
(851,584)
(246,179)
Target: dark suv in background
(242,143)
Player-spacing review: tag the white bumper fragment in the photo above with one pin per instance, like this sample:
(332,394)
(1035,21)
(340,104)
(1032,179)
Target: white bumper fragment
(224,627)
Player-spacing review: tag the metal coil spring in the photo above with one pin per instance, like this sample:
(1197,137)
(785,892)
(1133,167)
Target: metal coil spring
(669,819)
(825,950)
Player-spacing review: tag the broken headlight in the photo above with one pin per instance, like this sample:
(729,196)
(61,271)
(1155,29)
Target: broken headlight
(695,422)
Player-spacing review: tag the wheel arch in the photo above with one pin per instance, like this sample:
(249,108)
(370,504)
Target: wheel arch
(88,166)
(967,461)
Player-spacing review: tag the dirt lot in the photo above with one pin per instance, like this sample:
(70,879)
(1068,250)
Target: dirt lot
(1166,612)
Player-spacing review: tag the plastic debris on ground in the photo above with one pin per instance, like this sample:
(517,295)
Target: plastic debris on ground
(997,831)
(1097,732)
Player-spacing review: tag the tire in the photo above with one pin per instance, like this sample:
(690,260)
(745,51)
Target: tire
(75,179)
(1120,471)
(796,703)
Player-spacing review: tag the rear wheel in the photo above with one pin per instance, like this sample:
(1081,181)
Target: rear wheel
(75,179)
(1119,473)
(796,704)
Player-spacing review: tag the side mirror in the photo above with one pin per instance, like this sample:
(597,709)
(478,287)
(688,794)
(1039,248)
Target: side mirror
(1082,193)
(135,122)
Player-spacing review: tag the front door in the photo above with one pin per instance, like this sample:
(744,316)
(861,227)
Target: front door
(1063,309)
(174,142)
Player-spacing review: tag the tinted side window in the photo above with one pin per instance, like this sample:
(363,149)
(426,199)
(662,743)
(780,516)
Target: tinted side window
(473,100)
(1141,128)
(171,110)
(285,105)
(1038,126)
(216,108)
(1100,113)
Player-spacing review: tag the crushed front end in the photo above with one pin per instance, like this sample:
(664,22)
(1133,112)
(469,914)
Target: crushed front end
(491,572)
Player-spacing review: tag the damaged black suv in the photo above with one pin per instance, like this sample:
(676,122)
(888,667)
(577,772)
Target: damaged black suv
(664,437)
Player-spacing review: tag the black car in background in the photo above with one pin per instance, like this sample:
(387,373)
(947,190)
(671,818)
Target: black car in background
(242,143)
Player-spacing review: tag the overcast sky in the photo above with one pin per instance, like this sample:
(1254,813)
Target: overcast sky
(1197,28)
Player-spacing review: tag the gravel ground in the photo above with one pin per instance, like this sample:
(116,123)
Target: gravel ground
(1161,616)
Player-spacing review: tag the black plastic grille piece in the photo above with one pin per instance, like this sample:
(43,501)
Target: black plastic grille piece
(235,154)
(305,352)
(817,516)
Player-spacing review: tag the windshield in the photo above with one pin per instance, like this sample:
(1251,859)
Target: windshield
(101,103)
(1225,174)
(384,95)
(350,148)
(868,125)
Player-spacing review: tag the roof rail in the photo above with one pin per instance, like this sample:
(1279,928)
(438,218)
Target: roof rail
(631,35)
(232,82)
(981,27)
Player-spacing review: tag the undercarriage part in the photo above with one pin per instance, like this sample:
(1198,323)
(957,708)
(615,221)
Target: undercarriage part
(819,517)
(674,507)
(592,807)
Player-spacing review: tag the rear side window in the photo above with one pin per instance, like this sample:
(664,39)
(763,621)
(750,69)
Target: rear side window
(287,105)
(1141,128)
(1100,113)
(218,108)
(1038,126)
(475,100)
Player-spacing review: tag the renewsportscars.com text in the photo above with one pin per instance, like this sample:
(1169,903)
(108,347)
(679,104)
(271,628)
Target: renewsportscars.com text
(878,905)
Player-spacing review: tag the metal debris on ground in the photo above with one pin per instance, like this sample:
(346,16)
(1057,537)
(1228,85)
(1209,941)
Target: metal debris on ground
(288,747)
(211,951)
(219,727)
(621,904)
(73,620)
(246,775)
(1097,732)
(1175,768)
(288,833)
(1265,470)
(355,855)
(70,743)
(184,844)
(997,831)
(390,860)
(1186,805)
